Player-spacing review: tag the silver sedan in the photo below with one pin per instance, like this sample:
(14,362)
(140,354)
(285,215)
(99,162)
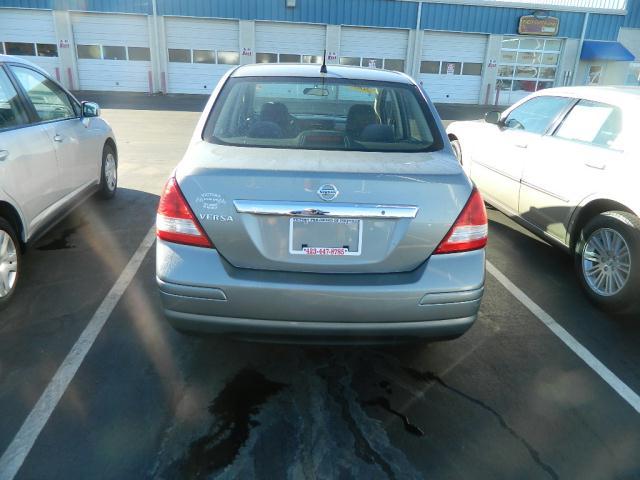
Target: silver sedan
(321,206)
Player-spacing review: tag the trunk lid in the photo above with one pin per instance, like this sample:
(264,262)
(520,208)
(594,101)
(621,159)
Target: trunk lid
(266,208)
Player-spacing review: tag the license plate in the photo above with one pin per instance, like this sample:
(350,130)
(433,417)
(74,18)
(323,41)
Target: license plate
(335,237)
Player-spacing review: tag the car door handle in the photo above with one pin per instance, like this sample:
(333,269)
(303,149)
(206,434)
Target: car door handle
(57,138)
(521,145)
(4,154)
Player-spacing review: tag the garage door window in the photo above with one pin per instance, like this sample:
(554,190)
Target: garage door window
(179,55)
(393,64)
(430,66)
(18,48)
(11,112)
(526,65)
(372,62)
(140,54)
(450,68)
(352,61)
(204,56)
(47,50)
(49,100)
(228,58)
(266,58)
(289,58)
(91,52)
(471,69)
(312,59)
(114,53)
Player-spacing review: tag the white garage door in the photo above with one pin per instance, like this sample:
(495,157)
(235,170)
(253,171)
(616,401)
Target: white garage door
(30,34)
(451,67)
(113,52)
(200,52)
(289,43)
(374,47)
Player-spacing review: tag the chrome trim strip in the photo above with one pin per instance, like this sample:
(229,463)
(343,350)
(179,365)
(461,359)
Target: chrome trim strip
(546,192)
(311,209)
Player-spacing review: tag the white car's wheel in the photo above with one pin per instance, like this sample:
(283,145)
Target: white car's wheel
(9,262)
(608,260)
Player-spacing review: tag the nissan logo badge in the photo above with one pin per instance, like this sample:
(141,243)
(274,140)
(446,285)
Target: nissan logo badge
(328,192)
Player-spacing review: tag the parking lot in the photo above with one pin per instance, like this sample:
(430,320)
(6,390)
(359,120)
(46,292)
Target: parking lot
(534,390)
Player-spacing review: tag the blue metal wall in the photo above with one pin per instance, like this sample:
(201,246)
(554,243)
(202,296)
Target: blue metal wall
(379,13)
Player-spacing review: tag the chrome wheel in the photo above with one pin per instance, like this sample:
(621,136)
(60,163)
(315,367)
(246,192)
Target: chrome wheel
(8,264)
(606,262)
(110,172)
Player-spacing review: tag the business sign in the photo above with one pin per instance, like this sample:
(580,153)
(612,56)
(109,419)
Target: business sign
(533,25)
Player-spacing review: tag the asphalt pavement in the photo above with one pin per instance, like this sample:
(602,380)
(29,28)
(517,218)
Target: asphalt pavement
(507,400)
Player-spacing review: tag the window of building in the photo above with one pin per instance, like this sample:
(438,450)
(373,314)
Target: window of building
(352,61)
(312,59)
(526,65)
(179,55)
(266,58)
(372,62)
(592,122)
(633,74)
(228,58)
(394,64)
(114,53)
(430,67)
(289,58)
(450,68)
(47,50)
(141,54)
(471,68)
(19,48)
(204,56)
(89,52)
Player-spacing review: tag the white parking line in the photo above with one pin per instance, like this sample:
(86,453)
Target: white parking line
(596,365)
(17,451)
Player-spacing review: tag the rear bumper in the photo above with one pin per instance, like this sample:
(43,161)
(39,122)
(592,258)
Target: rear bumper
(202,292)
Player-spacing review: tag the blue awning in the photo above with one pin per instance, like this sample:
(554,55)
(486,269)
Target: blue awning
(606,51)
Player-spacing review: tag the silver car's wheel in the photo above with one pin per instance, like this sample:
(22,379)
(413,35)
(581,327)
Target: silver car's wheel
(110,172)
(606,262)
(8,264)
(109,176)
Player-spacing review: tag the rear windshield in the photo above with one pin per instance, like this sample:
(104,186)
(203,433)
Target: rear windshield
(322,114)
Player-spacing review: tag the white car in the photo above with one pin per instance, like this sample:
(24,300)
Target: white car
(54,153)
(565,163)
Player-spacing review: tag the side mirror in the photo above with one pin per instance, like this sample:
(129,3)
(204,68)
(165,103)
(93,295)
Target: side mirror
(90,109)
(493,118)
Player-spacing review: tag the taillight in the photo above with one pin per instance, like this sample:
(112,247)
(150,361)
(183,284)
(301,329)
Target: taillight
(470,230)
(175,222)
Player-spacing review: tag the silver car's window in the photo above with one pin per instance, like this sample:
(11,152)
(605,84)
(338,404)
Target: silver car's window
(309,113)
(49,100)
(593,122)
(537,114)
(11,112)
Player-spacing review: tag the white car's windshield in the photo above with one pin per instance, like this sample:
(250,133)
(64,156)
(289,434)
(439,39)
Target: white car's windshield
(309,113)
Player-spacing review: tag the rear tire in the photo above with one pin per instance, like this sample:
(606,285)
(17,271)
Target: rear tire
(455,144)
(607,260)
(109,172)
(10,262)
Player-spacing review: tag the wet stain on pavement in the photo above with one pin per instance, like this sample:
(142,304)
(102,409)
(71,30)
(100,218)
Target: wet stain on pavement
(62,241)
(233,410)
(430,377)
(386,405)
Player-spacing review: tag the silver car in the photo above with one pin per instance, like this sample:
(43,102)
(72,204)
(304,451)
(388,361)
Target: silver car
(54,152)
(320,206)
(564,162)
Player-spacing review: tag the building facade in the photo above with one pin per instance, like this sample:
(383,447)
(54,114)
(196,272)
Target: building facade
(461,51)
